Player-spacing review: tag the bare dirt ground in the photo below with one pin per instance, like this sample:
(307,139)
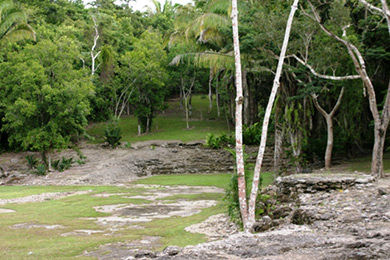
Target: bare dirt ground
(105,166)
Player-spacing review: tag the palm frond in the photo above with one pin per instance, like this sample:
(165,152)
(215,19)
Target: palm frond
(212,35)
(10,18)
(206,60)
(207,21)
(19,32)
(5,4)
(157,5)
(220,7)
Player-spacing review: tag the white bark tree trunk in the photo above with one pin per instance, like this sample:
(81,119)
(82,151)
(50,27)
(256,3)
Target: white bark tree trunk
(275,87)
(93,55)
(239,101)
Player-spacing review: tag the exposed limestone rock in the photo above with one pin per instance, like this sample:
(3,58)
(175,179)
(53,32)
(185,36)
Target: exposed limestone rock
(215,227)
(348,223)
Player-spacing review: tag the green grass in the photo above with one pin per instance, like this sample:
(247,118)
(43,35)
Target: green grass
(8,192)
(217,180)
(170,125)
(364,164)
(267,178)
(74,212)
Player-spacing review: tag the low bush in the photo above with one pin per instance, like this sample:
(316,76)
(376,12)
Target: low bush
(218,142)
(112,134)
(31,161)
(41,169)
(252,134)
(63,164)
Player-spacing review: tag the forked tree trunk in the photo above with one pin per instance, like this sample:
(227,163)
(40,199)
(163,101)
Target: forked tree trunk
(275,87)
(329,124)
(239,101)
(381,121)
(187,94)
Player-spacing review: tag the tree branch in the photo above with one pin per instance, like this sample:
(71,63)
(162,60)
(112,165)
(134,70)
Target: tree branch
(338,103)
(370,6)
(348,77)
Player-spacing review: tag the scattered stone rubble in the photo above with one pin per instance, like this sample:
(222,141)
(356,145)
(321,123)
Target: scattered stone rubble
(322,219)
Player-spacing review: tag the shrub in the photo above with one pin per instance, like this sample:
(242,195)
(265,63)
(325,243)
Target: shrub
(112,134)
(41,169)
(31,161)
(252,134)
(217,142)
(231,192)
(63,164)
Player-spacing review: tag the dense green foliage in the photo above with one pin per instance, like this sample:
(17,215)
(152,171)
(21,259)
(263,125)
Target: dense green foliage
(64,65)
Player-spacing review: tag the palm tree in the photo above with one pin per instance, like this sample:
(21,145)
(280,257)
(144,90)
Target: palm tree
(13,23)
(203,26)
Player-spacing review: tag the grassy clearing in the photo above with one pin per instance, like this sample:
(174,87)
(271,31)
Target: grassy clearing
(9,192)
(217,180)
(170,125)
(364,164)
(74,213)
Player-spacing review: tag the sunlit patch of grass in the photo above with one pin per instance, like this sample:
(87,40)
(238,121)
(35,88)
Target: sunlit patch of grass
(77,212)
(218,180)
(170,125)
(202,196)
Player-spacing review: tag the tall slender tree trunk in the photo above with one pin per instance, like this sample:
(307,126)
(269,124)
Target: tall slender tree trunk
(139,127)
(190,105)
(275,87)
(246,98)
(377,153)
(95,40)
(279,136)
(329,144)
(211,89)
(187,112)
(239,101)
(217,96)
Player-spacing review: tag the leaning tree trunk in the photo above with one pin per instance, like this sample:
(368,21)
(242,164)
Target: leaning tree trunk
(239,101)
(275,87)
